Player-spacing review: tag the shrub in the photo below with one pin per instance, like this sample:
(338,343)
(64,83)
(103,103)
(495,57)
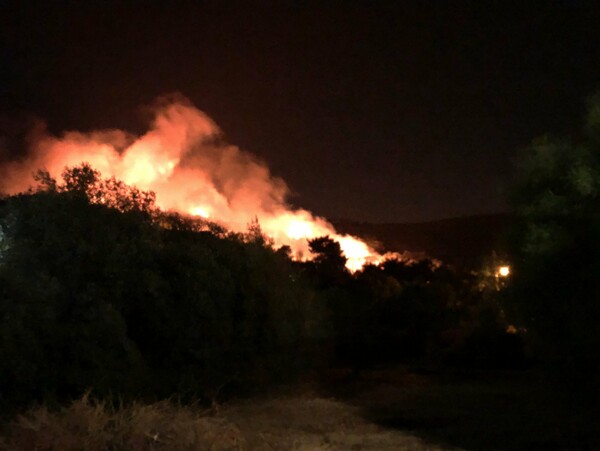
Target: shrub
(94,425)
(124,299)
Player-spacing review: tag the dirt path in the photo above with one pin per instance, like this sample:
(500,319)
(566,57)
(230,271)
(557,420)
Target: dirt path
(395,409)
(314,423)
(391,409)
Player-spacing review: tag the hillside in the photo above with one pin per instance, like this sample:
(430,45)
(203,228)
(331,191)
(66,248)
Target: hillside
(459,241)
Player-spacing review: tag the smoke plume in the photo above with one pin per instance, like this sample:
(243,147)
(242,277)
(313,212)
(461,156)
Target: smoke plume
(184,160)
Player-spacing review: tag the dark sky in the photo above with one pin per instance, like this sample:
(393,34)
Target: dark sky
(379,111)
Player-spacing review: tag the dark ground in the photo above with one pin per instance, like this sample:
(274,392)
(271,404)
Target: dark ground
(478,410)
(388,409)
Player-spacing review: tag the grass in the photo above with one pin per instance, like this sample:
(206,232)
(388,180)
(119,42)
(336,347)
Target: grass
(378,410)
(284,422)
(92,425)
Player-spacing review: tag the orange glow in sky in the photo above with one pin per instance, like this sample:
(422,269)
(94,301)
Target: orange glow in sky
(183,159)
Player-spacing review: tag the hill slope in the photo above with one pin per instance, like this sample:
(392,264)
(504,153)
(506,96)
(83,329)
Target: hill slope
(460,241)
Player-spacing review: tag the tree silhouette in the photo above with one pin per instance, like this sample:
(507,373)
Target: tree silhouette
(85,182)
(100,290)
(329,263)
(557,241)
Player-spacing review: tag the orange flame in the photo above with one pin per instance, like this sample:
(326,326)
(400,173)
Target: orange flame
(183,159)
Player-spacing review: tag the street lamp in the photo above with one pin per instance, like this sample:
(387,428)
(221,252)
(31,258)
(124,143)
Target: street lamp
(503,271)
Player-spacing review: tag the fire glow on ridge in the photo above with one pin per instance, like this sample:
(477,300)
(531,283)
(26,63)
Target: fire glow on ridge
(183,159)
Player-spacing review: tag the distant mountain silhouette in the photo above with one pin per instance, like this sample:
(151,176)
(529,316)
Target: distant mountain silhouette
(463,241)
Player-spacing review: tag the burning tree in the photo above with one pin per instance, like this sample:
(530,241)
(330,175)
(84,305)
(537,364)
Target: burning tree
(184,160)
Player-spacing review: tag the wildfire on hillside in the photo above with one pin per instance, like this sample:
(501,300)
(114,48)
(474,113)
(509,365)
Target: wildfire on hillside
(183,159)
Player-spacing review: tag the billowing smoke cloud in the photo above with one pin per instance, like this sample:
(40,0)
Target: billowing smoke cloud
(183,159)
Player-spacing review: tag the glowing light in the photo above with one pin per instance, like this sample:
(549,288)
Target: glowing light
(356,251)
(504,271)
(199,211)
(183,159)
(299,229)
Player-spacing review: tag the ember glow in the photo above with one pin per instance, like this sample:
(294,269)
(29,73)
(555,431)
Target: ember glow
(183,159)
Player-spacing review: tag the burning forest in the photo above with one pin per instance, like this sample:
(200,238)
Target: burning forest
(169,256)
(185,161)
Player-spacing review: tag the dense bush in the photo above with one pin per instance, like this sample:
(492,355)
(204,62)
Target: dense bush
(557,244)
(421,312)
(99,289)
(128,300)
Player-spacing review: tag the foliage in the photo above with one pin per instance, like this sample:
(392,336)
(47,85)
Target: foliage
(328,266)
(96,292)
(94,425)
(557,244)
(406,311)
(85,182)
(100,289)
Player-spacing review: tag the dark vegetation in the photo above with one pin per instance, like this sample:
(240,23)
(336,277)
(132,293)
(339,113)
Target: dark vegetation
(555,291)
(101,290)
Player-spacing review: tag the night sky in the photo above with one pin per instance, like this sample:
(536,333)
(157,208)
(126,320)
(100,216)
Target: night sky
(374,111)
